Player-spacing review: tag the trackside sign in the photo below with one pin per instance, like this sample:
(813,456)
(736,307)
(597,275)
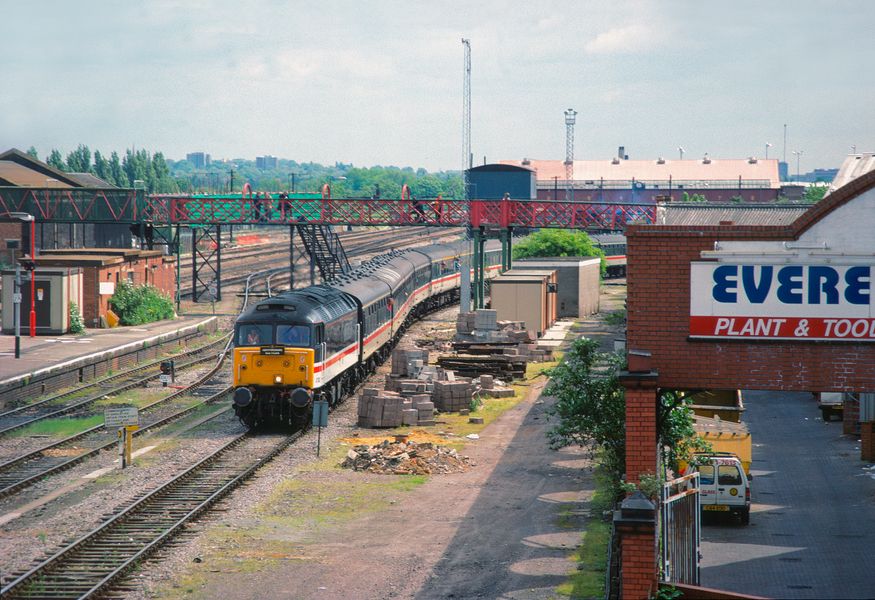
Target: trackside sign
(781,301)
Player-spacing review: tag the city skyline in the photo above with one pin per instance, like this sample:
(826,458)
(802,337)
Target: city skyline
(381,84)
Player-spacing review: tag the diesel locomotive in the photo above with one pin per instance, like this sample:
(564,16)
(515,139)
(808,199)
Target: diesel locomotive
(320,342)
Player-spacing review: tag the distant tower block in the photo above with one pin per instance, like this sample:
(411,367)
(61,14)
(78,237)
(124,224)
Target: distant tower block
(570,116)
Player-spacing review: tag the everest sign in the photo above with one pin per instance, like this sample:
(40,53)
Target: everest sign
(781,301)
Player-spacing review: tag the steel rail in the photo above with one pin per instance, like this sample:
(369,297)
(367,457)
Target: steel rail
(106,392)
(17,483)
(189,494)
(110,378)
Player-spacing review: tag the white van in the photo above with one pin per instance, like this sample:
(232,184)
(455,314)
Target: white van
(723,484)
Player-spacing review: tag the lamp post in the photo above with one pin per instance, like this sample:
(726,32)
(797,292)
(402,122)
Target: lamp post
(27,217)
(798,154)
(681,151)
(768,145)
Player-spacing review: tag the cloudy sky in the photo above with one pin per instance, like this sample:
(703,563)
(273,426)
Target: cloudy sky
(380,82)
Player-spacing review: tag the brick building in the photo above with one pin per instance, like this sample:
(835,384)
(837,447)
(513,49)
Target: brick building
(781,307)
(103,268)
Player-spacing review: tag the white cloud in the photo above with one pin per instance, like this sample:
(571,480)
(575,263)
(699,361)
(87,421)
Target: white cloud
(625,40)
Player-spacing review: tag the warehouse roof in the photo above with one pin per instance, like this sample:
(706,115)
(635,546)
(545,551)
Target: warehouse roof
(18,168)
(712,169)
(676,213)
(854,166)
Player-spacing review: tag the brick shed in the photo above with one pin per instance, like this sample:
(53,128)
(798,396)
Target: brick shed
(754,307)
(103,268)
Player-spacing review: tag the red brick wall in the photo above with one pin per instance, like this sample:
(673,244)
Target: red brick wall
(639,563)
(640,429)
(658,320)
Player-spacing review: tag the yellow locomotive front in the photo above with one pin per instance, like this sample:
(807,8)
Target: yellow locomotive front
(273,372)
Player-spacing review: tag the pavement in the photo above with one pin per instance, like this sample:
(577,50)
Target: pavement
(812,522)
(50,352)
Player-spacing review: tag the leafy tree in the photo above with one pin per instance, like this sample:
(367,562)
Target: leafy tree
(815,193)
(591,410)
(693,198)
(558,242)
(55,160)
(79,160)
(101,167)
(116,172)
(32,152)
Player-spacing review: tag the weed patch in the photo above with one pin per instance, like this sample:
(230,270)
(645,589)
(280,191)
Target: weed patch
(60,427)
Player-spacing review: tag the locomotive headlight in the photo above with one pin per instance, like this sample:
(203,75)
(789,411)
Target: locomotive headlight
(277,379)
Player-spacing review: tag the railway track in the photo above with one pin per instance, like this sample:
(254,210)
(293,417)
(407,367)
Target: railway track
(78,399)
(235,268)
(90,564)
(26,469)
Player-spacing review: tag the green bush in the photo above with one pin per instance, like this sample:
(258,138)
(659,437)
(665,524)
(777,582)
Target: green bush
(76,323)
(140,304)
(558,242)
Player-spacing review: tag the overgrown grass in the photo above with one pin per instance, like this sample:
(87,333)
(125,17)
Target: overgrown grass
(138,397)
(60,427)
(616,318)
(588,580)
(315,502)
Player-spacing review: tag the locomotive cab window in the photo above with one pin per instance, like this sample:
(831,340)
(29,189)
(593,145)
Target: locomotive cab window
(252,334)
(293,335)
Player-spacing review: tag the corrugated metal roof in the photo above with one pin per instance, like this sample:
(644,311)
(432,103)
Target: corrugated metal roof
(14,174)
(658,170)
(854,166)
(738,214)
(43,171)
(90,181)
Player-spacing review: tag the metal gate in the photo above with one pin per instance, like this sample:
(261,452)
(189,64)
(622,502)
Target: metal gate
(680,527)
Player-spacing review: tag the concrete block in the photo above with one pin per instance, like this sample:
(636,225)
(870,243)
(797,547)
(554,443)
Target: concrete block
(409,417)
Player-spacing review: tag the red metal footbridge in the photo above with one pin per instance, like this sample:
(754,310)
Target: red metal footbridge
(160,217)
(83,205)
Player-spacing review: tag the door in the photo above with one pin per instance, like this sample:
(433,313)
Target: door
(730,483)
(707,486)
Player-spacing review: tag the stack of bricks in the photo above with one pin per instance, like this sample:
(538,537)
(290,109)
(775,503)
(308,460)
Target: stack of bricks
(379,408)
(404,361)
(452,396)
(485,319)
(465,323)
(387,409)
(424,409)
(490,390)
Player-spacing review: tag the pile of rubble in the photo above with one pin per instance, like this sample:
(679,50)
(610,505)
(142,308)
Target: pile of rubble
(406,458)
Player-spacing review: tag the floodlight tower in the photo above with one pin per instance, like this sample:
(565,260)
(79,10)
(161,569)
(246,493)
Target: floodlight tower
(466,117)
(570,115)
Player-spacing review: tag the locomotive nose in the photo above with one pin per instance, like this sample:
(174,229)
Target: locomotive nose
(242,396)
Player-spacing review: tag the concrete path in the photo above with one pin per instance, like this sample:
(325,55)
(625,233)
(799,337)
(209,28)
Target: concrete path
(812,524)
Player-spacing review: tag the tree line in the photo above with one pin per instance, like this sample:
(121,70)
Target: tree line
(161,175)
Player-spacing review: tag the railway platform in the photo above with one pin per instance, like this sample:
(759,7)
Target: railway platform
(48,363)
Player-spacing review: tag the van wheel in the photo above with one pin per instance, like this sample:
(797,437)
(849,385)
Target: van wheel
(745,516)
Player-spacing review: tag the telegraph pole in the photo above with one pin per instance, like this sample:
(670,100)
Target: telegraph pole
(466,117)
